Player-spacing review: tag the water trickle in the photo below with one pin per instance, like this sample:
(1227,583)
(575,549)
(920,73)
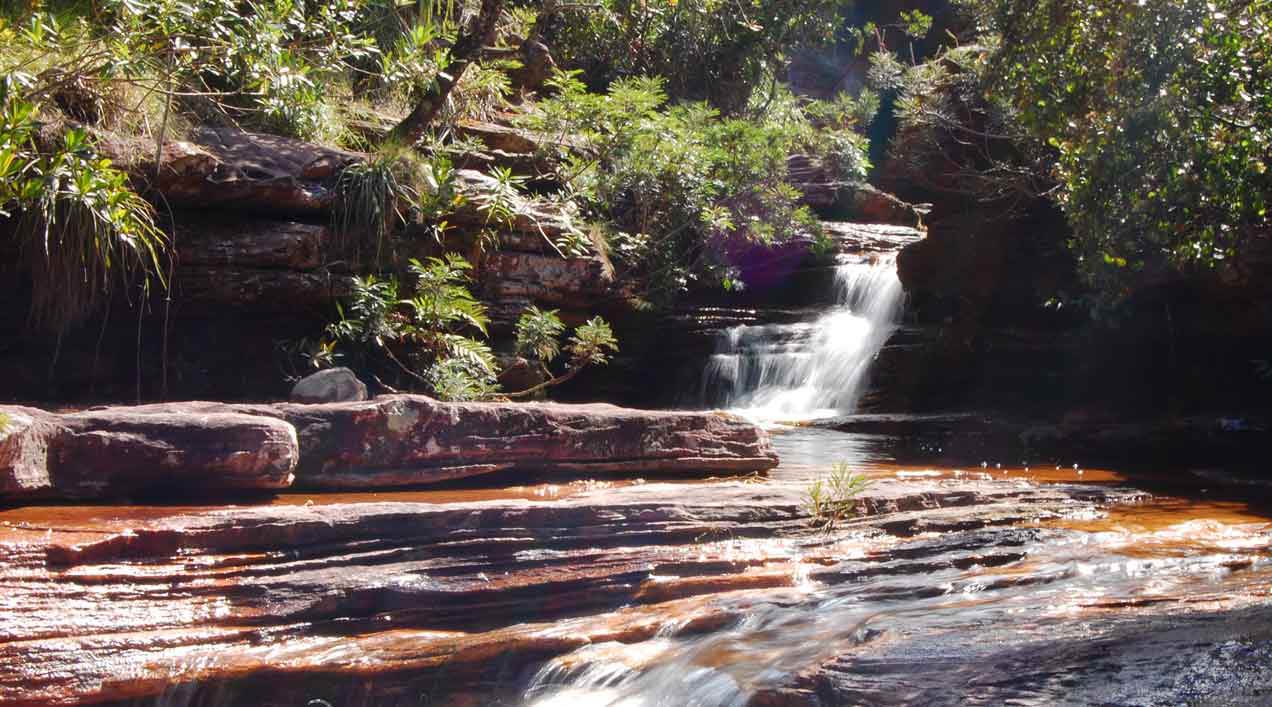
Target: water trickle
(813,369)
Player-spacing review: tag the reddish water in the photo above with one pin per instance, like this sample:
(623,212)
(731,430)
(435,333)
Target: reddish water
(976,585)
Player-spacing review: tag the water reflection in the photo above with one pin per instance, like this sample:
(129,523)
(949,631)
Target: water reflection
(1109,608)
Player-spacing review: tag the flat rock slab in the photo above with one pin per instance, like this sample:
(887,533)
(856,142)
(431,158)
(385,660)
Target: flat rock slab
(392,441)
(406,440)
(121,452)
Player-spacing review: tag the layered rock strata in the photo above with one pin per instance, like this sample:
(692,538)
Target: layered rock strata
(392,441)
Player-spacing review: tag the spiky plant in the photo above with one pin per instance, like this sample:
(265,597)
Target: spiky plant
(831,500)
(82,230)
(371,199)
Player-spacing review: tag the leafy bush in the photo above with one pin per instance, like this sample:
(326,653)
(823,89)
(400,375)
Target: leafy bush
(424,335)
(680,186)
(420,336)
(538,337)
(83,231)
(1159,119)
(705,50)
(953,137)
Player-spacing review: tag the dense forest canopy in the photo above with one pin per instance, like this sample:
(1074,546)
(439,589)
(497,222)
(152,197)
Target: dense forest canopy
(669,124)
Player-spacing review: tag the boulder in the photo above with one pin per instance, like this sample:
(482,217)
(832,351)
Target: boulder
(118,451)
(334,385)
(392,441)
(406,440)
(24,434)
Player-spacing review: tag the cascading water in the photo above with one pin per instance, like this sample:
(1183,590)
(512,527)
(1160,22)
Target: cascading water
(811,369)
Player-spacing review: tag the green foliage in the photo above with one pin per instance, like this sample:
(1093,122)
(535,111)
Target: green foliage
(953,136)
(82,229)
(680,186)
(704,49)
(370,198)
(499,204)
(538,335)
(4,423)
(422,333)
(290,67)
(592,343)
(915,24)
(1159,118)
(831,500)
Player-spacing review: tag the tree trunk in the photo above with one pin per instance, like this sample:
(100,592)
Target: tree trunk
(467,49)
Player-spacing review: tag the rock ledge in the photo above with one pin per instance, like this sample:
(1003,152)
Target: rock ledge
(391,441)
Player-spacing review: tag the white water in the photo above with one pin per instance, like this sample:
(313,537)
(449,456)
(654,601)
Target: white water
(809,370)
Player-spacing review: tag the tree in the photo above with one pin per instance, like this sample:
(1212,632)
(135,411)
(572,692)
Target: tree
(465,51)
(1159,119)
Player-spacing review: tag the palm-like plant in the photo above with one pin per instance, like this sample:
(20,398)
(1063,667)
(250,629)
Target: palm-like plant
(83,230)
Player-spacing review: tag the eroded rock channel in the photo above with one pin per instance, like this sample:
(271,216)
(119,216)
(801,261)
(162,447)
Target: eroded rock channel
(1014,584)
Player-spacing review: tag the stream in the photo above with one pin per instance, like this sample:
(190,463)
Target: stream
(959,582)
(1153,599)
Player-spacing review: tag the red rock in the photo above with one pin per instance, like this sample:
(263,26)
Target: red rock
(392,441)
(120,452)
(406,440)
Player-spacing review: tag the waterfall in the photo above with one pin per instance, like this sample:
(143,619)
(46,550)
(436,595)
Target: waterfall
(809,369)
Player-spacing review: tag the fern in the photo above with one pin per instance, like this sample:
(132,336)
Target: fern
(538,333)
(420,330)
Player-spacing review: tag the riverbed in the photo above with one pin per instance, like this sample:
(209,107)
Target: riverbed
(976,584)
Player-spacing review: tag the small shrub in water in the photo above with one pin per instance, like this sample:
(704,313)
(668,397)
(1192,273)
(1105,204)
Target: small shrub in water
(831,500)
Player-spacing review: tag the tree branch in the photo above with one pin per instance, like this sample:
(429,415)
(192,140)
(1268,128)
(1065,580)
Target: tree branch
(467,50)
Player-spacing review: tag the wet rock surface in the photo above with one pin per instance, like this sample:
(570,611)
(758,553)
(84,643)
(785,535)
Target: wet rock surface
(712,589)
(1237,442)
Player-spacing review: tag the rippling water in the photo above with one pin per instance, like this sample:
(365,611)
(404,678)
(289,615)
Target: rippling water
(1164,601)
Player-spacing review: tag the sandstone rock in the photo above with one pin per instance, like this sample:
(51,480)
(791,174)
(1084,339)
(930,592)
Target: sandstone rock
(536,219)
(499,137)
(825,192)
(392,441)
(225,166)
(859,238)
(333,385)
(120,451)
(867,202)
(251,243)
(547,279)
(536,66)
(24,434)
(404,440)
(362,601)
(261,290)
